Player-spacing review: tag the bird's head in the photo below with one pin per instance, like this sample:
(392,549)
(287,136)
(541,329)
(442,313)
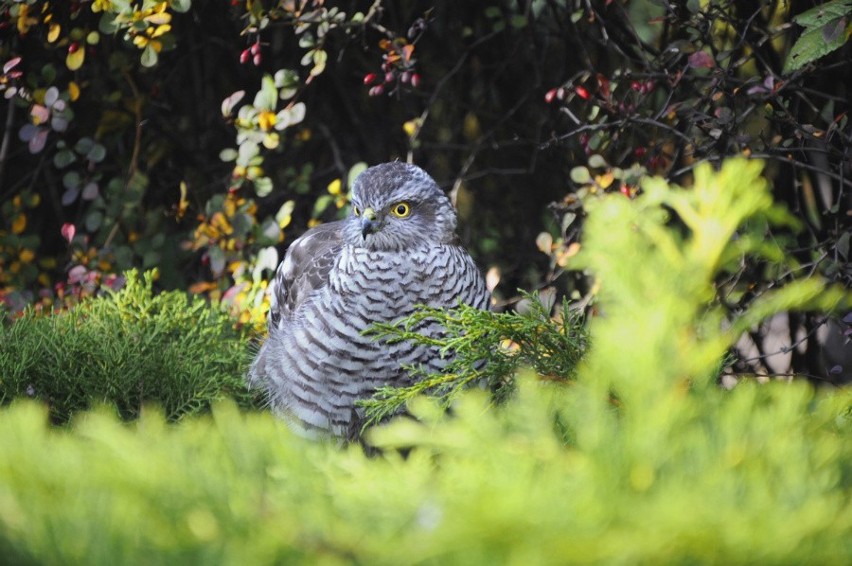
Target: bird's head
(398,206)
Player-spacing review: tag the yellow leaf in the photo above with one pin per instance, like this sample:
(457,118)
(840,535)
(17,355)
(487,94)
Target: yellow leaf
(161,30)
(75,60)
(53,32)
(183,203)
(604,180)
(284,214)
(229,206)
(471,127)
(565,254)
(201,287)
(410,127)
(26,256)
(73,91)
(19,224)
(492,278)
(221,224)
(335,187)
(24,21)
(266,120)
(271,140)
(544,242)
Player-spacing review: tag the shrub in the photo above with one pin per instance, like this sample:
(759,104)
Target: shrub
(126,348)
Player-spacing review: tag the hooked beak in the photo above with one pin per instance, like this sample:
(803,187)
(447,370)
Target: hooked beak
(368,222)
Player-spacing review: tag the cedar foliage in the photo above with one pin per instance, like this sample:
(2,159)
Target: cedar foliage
(126,348)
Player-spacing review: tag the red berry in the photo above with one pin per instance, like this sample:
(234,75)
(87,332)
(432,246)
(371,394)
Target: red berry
(550,95)
(73,47)
(582,92)
(370,78)
(377,90)
(390,77)
(415,80)
(636,85)
(257,60)
(244,56)
(405,77)
(625,190)
(255,48)
(650,86)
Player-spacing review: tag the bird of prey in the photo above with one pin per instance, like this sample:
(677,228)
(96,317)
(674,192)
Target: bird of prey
(396,249)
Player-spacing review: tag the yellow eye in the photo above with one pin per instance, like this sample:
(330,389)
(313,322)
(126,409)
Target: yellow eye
(356,210)
(401,210)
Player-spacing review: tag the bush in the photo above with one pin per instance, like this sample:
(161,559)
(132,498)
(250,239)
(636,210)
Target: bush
(641,458)
(761,474)
(127,348)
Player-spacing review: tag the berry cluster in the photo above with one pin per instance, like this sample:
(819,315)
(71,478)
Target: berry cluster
(390,80)
(398,63)
(253,53)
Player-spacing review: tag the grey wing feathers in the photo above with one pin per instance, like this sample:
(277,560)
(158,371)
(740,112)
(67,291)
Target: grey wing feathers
(304,269)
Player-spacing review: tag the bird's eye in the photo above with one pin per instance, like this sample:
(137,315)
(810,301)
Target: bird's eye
(401,210)
(356,210)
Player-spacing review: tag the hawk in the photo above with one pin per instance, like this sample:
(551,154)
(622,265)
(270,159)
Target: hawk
(397,249)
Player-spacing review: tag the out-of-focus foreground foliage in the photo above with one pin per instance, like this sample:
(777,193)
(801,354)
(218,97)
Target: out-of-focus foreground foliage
(640,458)
(200,136)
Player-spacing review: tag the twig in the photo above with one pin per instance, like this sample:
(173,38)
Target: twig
(7,134)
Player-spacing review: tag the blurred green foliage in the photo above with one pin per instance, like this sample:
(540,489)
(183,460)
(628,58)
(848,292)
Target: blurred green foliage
(641,458)
(126,348)
(760,474)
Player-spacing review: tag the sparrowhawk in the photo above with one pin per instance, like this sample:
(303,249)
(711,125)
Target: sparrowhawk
(397,249)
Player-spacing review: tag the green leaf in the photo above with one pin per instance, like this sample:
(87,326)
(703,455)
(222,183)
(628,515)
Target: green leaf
(180,6)
(819,15)
(827,28)
(815,43)
(267,96)
(263,186)
(228,154)
(217,260)
(321,204)
(94,220)
(518,21)
(290,116)
(84,145)
(597,161)
(580,175)
(64,158)
(287,81)
(320,57)
(71,180)
(97,153)
(354,171)
(149,56)
(107,24)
